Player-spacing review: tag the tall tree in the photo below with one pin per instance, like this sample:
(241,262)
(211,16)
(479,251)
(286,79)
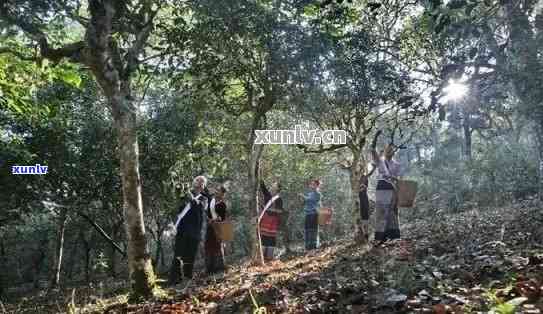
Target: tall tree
(249,74)
(362,77)
(505,41)
(116,34)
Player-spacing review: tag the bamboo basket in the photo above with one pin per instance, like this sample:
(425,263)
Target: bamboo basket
(325,216)
(224,230)
(407,191)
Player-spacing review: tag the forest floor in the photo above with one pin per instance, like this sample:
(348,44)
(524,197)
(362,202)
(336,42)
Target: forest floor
(475,261)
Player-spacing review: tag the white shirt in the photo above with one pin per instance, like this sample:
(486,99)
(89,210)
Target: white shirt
(388,168)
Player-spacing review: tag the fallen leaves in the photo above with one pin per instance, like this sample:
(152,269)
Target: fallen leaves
(444,266)
(529,288)
(448,264)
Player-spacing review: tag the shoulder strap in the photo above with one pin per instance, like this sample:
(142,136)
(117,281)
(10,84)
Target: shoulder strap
(268,205)
(187,208)
(212,208)
(386,165)
(388,173)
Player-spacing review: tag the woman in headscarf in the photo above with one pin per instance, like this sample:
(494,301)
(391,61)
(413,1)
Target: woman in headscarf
(269,224)
(214,252)
(312,203)
(387,224)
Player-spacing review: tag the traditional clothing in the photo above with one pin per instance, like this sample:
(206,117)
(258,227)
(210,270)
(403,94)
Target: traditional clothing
(269,224)
(311,206)
(214,252)
(189,230)
(387,224)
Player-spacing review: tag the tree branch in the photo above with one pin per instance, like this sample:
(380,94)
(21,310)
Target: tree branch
(53,205)
(141,38)
(102,232)
(322,148)
(72,51)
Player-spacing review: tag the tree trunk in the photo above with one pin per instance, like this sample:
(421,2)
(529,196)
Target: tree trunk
(139,262)
(72,261)
(3,264)
(158,251)
(435,141)
(356,171)
(113,71)
(539,132)
(113,262)
(38,260)
(114,249)
(467,134)
(253,180)
(526,44)
(87,250)
(60,248)
(285,223)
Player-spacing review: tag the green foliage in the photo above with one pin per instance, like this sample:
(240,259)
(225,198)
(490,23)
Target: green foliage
(218,65)
(501,170)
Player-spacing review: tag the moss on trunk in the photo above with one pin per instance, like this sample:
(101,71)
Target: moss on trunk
(143,281)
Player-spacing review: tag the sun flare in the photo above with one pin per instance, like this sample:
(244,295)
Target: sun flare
(455,90)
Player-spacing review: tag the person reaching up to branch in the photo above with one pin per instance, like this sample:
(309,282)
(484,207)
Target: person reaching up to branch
(189,230)
(387,225)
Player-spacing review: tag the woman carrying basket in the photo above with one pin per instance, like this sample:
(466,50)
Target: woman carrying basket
(387,224)
(214,252)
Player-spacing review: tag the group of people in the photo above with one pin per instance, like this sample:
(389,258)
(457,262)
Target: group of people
(271,213)
(200,204)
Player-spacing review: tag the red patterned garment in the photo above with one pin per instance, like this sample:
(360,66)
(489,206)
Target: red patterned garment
(269,225)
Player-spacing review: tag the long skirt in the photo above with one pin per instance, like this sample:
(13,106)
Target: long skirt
(311,231)
(364,205)
(387,222)
(214,253)
(186,248)
(269,227)
(268,245)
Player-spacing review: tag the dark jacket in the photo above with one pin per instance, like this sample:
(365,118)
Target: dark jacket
(191,224)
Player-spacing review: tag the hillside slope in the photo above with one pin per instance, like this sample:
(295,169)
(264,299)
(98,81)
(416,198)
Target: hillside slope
(469,262)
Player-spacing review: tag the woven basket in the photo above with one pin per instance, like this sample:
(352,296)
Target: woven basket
(325,216)
(407,191)
(224,230)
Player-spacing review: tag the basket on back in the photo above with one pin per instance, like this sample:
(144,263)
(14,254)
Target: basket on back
(407,191)
(224,230)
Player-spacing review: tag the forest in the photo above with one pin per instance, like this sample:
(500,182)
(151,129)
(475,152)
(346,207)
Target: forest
(271,156)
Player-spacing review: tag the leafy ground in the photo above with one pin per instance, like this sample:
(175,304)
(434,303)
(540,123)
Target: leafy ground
(477,261)
(470,262)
